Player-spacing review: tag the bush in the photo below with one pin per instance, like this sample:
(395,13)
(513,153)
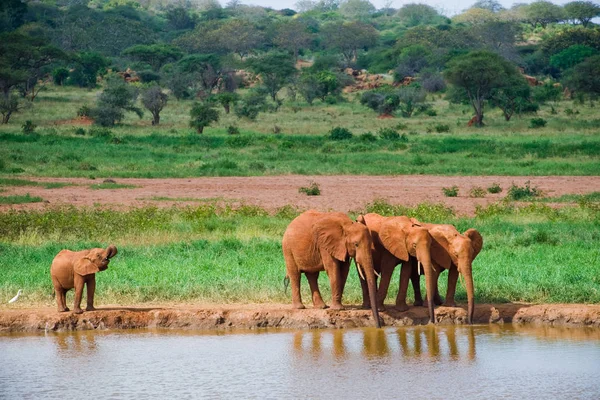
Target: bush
(115,99)
(495,188)
(339,133)
(450,191)
(28,127)
(384,103)
(433,82)
(252,104)
(84,111)
(233,130)
(410,97)
(522,193)
(537,123)
(310,190)
(60,75)
(441,128)
(477,192)
(80,131)
(148,76)
(154,100)
(368,137)
(202,115)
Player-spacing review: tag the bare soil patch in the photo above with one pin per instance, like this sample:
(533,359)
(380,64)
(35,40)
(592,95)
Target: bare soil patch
(253,316)
(339,193)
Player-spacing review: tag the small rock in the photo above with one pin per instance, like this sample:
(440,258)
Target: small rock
(109,181)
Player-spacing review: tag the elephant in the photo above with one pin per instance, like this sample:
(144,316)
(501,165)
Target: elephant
(327,241)
(398,240)
(455,252)
(74,269)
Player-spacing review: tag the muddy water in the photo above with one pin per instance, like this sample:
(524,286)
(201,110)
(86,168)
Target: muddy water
(420,362)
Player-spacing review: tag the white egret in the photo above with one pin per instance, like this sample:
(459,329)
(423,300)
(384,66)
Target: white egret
(16,297)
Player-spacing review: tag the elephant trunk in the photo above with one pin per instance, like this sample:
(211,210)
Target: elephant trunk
(424,257)
(372,286)
(111,251)
(467,272)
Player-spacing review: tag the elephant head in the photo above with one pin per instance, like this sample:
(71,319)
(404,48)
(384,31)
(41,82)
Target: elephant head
(342,239)
(95,260)
(403,238)
(449,248)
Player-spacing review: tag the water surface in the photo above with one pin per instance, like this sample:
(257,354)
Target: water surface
(418,362)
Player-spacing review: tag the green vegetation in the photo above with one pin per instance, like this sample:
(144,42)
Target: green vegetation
(20,199)
(450,191)
(111,185)
(310,190)
(25,182)
(219,254)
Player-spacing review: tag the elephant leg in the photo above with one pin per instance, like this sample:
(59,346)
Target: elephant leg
(60,296)
(91,288)
(293,273)
(79,283)
(452,278)
(415,280)
(388,263)
(404,277)
(313,281)
(333,270)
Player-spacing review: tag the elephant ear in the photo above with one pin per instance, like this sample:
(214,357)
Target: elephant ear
(361,219)
(440,249)
(393,238)
(329,235)
(85,266)
(476,240)
(111,251)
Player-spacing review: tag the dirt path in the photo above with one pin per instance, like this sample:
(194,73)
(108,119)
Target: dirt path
(252,316)
(340,193)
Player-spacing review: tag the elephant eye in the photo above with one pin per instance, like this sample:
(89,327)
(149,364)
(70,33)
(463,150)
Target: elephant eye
(356,244)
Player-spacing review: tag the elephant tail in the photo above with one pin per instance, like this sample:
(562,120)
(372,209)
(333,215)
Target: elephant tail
(286,283)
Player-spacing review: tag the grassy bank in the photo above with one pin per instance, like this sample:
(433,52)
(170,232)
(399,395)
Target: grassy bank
(439,144)
(206,253)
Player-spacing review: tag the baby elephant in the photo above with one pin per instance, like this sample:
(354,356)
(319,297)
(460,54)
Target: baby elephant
(73,269)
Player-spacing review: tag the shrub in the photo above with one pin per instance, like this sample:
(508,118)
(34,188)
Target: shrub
(115,99)
(477,192)
(409,98)
(384,103)
(202,115)
(388,134)
(433,82)
(311,190)
(233,130)
(368,137)
(495,188)
(537,123)
(252,104)
(84,111)
(148,76)
(450,191)
(523,192)
(339,133)
(80,131)
(60,75)
(441,128)
(400,126)
(100,132)
(28,127)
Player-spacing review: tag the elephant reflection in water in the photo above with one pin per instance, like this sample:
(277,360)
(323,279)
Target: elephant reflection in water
(338,349)
(429,337)
(76,344)
(375,344)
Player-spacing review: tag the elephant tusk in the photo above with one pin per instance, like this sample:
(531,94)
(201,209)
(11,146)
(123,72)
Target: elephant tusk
(419,267)
(377,273)
(360,272)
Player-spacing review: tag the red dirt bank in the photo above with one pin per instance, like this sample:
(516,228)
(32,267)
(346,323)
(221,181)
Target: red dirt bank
(228,317)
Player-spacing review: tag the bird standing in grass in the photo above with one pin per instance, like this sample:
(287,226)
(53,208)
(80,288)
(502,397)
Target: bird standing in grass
(16,297)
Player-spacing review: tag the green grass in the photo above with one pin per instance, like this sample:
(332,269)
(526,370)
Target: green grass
(20,199)
(565,146)
(110,185)
(25,182)
(220,254)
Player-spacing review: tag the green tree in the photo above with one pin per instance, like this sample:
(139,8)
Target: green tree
(476,16)
(293,35)
(569,37)
(490,5)
(60,75)
(572,56)
(514,96)
(414,14)
(116,98)
(543,12)
(226,99)
(154,54)
(384,102)
(582,11)
(356,9)
(87,67)
(477,75)
(410,97)
(12,14)
(349,37)
(240,36)
(585,77)
(154,100)
(202,115)
(179,18)
(252,104)
(275,70)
